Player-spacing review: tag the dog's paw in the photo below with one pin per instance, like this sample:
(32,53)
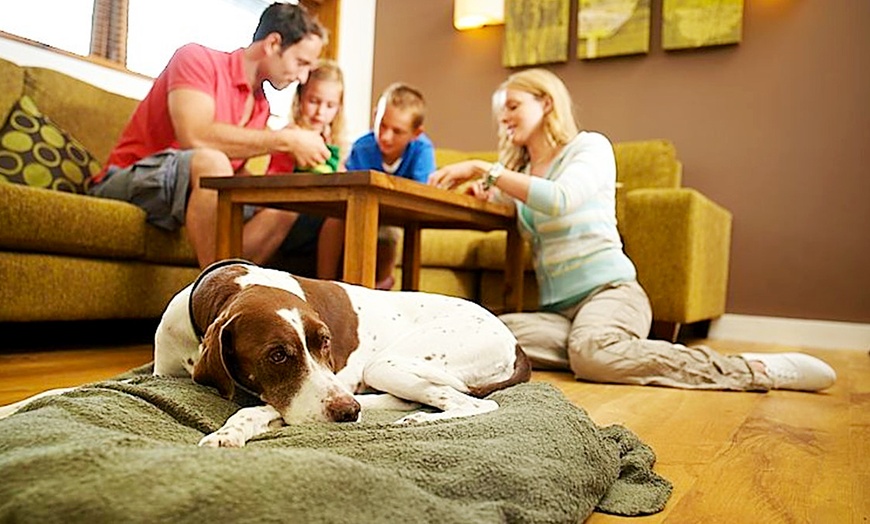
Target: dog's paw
(226,437)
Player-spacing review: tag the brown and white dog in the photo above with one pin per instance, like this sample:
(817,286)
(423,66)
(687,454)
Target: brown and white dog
(311,349)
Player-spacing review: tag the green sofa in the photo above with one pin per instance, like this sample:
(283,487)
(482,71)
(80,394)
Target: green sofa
(67,256)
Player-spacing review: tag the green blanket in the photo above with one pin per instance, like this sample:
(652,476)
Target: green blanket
(125,451)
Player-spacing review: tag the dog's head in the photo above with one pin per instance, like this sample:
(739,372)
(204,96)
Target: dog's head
(270,342)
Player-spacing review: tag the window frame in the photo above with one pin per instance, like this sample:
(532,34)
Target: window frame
(109,33)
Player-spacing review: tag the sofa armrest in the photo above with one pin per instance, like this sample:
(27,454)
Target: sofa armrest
(680,241)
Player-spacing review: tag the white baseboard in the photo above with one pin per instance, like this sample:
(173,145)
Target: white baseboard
(792,332)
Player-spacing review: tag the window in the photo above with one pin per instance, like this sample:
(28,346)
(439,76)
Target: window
(142,35)
(64,24)
(156,28)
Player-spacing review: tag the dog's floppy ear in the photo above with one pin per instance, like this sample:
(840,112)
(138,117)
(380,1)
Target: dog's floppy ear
(211,369)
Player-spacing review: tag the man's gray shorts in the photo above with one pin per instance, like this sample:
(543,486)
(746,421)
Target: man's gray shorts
(157,183)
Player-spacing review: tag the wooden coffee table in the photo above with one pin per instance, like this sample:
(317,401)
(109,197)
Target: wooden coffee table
(366,200)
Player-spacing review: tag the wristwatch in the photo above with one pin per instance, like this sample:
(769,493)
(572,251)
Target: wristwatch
(492,175)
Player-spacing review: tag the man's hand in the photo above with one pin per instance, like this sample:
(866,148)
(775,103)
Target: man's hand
(307,147)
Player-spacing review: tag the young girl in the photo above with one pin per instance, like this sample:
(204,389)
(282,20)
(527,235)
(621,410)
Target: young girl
(318,105)
(595,316)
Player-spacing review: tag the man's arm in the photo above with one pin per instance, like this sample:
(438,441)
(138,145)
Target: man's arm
(192,113)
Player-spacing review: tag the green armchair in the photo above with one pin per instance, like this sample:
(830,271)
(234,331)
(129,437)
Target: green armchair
(678,239)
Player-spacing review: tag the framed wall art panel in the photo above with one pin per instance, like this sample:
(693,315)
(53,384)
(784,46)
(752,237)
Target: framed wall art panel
(698,23)
(536,32)
(612,28)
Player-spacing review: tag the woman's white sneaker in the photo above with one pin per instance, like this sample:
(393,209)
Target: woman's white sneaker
(797,371)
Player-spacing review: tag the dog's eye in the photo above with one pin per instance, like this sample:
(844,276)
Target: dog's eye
(278,356)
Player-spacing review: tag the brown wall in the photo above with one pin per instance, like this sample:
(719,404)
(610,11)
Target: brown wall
(776,129)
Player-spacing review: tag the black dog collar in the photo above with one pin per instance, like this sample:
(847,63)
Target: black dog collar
(216,265)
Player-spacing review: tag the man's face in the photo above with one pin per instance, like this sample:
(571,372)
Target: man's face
(394,130)
(294,63)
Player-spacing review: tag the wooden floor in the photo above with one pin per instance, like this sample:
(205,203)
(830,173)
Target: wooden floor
(733,457)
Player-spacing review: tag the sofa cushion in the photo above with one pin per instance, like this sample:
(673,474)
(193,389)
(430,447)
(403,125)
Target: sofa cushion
(93,115)
(450,248)
(11,86)
(169,247)
(52,287)
(491,249)
(445,281)
(43,221)
(36,152)
(445,157)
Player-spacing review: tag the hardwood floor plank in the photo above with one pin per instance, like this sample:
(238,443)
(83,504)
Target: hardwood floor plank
(780,456)
(785,462)
(25,374)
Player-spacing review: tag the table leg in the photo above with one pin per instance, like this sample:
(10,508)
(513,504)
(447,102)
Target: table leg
(513,271)
(411,258)
(228,228)
(361,238)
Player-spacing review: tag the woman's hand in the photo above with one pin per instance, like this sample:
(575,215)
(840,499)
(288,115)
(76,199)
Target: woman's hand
(449,177)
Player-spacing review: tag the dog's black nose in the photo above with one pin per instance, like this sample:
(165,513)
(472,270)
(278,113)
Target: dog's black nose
(344,409)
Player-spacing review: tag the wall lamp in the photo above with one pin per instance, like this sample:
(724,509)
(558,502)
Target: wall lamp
(471,14)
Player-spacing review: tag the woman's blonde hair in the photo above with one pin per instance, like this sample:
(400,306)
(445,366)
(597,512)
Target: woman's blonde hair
(326,71)
(559,124)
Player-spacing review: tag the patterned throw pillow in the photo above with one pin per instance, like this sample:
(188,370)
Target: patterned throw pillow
(36,152)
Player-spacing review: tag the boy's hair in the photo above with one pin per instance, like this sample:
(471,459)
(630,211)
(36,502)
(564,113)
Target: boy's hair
(402,96)
(560,124)
(326,71)
(293,22)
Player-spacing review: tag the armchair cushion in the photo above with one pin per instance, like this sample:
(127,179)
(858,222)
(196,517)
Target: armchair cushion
(647,163)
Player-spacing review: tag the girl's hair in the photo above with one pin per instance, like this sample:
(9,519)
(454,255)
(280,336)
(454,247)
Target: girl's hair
(326,71)
(559,124)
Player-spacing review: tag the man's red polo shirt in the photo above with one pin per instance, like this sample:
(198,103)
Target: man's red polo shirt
(218,74)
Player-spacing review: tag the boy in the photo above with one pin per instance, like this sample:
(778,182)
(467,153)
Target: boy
(398,146)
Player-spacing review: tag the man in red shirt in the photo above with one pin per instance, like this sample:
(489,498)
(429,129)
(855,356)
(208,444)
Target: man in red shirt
(204,116)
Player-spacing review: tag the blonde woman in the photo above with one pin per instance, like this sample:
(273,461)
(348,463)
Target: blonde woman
(595,317)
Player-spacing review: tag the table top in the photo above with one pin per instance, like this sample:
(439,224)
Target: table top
(400,200)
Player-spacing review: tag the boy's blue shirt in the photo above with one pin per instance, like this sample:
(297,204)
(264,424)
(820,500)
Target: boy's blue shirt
(418,160)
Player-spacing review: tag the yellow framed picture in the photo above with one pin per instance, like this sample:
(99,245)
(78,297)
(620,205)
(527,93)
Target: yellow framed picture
(536,32)
(612,28)
(698,23)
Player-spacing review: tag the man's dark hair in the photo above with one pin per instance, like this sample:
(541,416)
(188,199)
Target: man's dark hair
(293,22)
